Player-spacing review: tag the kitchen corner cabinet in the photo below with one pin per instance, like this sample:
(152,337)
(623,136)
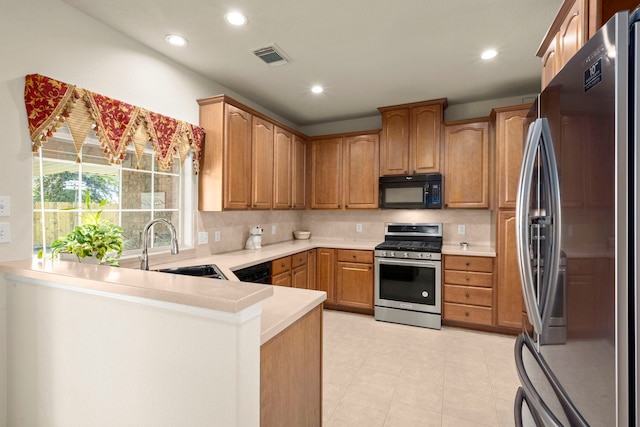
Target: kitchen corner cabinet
(248,160)
(354,279)
(575,23)
(468,290)
(466,164)
(344,171)
(411,138)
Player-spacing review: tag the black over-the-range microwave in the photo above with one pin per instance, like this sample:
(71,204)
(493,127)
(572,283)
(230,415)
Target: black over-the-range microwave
(411,191)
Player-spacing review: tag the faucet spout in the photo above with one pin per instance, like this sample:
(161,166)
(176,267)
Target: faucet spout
(144,258)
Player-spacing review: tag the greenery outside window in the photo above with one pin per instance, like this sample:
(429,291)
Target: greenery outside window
(134,196)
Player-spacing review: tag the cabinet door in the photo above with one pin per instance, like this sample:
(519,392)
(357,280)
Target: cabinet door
(510,134)
(298,173)
(325,272)
(424,150)
(237,159)
(572,31)
(282,149)
(361,172)
(549,62)
(326,173)
(262,164)
(394,149)
(509,303)
(283,279)
(312,268)
(299,277)
(466,165)
(354,284)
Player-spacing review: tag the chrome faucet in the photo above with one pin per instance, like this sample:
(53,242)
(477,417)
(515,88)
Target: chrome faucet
(144,258)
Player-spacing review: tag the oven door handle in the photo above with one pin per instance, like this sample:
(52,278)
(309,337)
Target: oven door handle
(413,263)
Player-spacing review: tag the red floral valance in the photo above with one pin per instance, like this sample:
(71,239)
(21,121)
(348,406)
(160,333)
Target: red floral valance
(49,103)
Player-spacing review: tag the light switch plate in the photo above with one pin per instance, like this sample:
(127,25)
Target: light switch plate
(216,236)
(203,237)
(5,206)
(273,229)
(5,232)
(358,228)
(461,229)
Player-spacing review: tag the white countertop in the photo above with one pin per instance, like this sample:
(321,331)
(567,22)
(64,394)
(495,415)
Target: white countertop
(472,250)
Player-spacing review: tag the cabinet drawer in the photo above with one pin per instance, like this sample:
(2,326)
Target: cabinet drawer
(280,265)
(468,295)
(467,313)
(468,278)
(298,259)
(346,255)
(468,263)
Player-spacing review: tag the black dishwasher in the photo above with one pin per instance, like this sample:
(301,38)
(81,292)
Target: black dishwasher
(259,273)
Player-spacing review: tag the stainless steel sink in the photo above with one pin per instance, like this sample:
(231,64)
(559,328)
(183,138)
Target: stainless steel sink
(206,270)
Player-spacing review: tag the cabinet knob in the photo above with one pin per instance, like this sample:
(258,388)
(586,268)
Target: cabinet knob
(468,264)
(467,278)
(467,295)
(466,313)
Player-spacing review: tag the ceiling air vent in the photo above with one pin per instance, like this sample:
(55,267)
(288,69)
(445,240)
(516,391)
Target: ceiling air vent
(271,55)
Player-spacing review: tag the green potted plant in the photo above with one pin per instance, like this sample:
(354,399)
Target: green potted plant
(95,237)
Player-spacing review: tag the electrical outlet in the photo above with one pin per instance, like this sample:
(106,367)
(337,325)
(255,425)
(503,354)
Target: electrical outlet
(217,236)
(358,228)
(273,229)
(461,229)
(5,205)
(5,232)
(203,237)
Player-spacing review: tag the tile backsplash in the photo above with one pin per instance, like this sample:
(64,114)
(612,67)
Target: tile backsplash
(234,225)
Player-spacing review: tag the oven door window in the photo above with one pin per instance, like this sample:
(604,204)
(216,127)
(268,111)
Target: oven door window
(407,283)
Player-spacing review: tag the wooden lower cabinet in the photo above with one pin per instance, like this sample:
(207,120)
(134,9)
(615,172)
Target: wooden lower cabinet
(354,279)
(468,290)
(509,301)
(347,278)
(291,375)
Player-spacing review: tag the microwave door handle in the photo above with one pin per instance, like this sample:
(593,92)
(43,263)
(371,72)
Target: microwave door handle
(550,280)
(523,239)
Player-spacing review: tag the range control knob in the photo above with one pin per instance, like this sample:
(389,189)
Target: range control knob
(420,255)
(406,254)
(392,254)
(383,253)
(425,294)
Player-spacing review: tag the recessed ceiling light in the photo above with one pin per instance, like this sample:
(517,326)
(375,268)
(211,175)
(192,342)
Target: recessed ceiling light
(317,89)
(235,18)
(488,54)
(176,40)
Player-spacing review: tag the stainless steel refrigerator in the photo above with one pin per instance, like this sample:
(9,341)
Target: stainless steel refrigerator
(577,233)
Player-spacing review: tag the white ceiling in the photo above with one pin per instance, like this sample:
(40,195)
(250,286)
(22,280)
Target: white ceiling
(366,53)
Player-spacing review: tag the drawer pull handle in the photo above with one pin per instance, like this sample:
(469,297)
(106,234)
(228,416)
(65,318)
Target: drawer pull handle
(467,278)
(467,295)
(466,313)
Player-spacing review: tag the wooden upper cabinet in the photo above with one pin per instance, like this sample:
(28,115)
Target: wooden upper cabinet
(361,171)
(298,175)
(575,23)
(262,163)
(326,173)
(237,158)
(411,138)
(466,164)
(394,149)
(247,159)
(344,171)
(282,168)
(510,132)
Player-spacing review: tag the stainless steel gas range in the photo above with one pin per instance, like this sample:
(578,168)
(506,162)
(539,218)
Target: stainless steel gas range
(408,275)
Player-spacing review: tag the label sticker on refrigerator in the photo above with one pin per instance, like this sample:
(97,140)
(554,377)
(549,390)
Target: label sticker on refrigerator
(593,75)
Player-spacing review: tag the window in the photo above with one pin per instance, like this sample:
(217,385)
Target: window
(134,196)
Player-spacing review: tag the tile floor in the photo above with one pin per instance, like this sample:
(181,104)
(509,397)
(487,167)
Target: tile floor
(384,374)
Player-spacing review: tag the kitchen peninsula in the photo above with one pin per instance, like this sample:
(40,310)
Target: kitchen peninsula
(147,348)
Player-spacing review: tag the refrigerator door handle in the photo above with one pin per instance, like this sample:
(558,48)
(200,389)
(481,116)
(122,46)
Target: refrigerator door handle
(540,306)
(534,400)
(522,397)
(540,411)
(522,225)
